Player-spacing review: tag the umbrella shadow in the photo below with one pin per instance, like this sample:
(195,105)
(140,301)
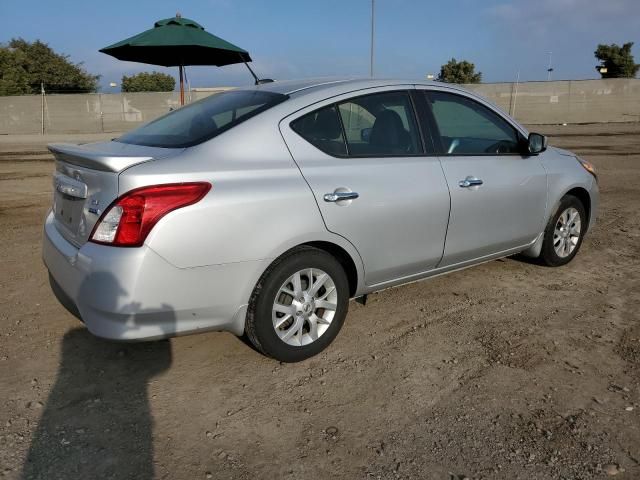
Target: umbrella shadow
(97,421)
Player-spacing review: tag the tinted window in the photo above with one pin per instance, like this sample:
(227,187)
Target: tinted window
(467,127)
(203,119)
(322,128)
(380,124)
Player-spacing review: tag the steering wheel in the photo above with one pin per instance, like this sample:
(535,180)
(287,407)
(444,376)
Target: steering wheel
(502,146)
(455,143)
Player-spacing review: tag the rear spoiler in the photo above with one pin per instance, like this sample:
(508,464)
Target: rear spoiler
(84,156)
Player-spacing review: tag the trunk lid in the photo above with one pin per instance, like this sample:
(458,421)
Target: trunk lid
(85,182)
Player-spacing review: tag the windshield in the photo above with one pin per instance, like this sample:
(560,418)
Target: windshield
(202,120)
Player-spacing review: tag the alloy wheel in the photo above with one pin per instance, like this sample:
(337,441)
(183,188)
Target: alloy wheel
(304,307)
(566,234)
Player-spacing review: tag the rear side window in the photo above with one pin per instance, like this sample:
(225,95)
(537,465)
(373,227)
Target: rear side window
(469,128)
(202,120)
(323,130)
(376,125)
(382,124)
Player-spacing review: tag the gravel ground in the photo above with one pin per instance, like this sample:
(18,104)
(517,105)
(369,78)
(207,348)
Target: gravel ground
(506,370)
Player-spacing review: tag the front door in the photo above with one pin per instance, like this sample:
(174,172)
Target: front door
(375,182)
(498,195)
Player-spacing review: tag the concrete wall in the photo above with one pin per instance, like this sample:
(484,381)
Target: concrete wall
(87,113)
(577,101)
(571,101)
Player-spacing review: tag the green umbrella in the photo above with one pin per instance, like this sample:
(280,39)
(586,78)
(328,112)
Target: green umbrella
(176,42)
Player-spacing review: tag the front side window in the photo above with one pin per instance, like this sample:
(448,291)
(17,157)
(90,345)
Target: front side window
(469,128)
(381,124)
(202,120)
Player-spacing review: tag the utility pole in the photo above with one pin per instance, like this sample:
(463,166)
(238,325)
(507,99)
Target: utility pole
(373,8)
(42,108)
(549,69)
(515,96)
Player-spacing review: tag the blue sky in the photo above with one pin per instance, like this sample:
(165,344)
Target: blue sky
(304,38)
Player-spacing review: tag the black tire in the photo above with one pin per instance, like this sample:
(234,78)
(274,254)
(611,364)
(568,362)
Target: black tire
(548,254)
(259,326)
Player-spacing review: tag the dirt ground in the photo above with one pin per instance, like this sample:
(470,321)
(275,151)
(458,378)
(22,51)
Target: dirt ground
(507,370)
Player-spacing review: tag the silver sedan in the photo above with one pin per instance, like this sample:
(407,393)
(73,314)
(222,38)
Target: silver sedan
(262,211)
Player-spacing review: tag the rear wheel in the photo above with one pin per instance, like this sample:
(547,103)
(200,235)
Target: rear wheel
(299,305)
(564,233)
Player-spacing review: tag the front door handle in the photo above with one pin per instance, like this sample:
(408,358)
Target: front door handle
(470,182)
(338,196)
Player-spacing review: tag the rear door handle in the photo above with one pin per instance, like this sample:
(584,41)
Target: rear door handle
(338,196)
(470,182)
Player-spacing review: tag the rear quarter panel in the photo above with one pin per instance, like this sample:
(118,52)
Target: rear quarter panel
(258,208)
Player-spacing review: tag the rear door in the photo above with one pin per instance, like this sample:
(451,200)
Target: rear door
(375,181)
(498,194)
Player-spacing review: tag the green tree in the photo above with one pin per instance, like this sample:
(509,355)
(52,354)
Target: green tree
(459,72)
(24,65)
(617,60)
(148,82)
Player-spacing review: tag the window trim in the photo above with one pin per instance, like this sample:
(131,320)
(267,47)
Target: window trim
(432,122)
(336,108)
(425,122)
(336,105)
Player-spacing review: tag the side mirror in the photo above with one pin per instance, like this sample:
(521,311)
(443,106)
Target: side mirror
(537,143)
(365,134)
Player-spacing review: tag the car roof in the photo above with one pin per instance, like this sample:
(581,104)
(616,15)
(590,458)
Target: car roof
(308,91)
(295,88)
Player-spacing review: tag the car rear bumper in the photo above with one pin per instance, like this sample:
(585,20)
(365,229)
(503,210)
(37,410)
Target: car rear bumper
(135,294)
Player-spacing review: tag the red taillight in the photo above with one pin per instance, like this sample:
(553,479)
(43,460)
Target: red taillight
(128,221)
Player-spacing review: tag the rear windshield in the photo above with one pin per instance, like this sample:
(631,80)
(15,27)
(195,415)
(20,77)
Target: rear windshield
(202,120)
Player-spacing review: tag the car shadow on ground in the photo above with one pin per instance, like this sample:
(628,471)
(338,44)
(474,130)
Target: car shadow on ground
(97,421)
(519,257)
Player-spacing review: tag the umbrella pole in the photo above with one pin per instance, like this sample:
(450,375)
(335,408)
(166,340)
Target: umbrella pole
(181,86)
(252,73)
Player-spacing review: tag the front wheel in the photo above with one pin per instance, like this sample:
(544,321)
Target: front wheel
(298,306)
(564,233)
